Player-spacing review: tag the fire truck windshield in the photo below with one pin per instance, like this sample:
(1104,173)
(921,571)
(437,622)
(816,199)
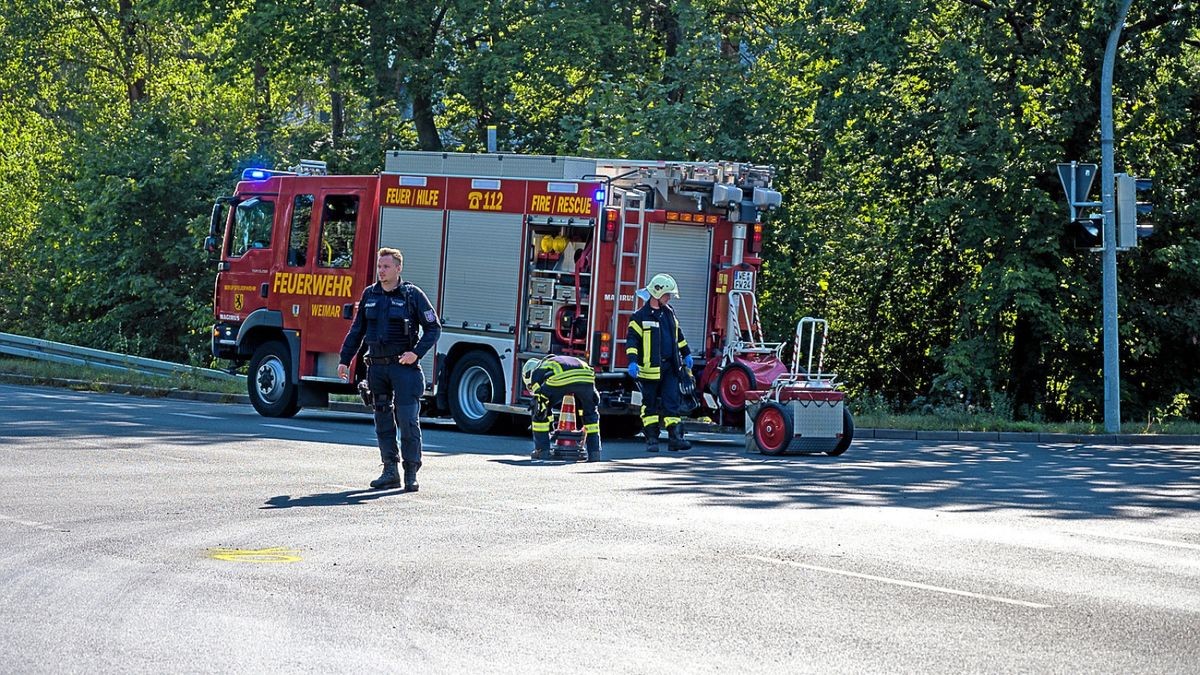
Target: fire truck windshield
(251,226)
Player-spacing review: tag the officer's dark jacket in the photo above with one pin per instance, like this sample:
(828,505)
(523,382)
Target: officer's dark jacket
(387,322)
(653,340)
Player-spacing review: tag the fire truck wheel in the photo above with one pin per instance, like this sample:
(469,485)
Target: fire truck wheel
(476,379)
(847,435)
(732,386)
(773,428)
(271,392)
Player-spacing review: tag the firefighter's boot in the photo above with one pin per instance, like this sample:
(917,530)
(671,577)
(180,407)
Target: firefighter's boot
(387,480)
(593,447)
(410,477)
(651,432)
(675,439)
(541,445)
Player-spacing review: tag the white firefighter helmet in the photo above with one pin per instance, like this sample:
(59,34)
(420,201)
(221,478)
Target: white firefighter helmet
(527,370)
(661,284)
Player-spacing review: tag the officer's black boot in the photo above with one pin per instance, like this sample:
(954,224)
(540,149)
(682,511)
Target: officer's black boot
(675,439)
(593,447)
(651,432)
(387,480)
(410,477)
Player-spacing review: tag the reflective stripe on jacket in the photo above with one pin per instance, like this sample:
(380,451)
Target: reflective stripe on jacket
(558,371)
(645,345)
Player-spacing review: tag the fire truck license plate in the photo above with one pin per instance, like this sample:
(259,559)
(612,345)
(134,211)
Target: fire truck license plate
(743,281)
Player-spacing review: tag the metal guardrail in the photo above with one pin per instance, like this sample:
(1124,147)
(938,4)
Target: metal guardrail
(45,350)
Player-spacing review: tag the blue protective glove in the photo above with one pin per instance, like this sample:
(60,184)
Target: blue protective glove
(633,370)
(687,361)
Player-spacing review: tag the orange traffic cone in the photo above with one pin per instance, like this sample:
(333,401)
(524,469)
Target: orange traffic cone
(566,417)
(568,437)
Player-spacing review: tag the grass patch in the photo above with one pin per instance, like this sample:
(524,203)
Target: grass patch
(962,420)
(90,377)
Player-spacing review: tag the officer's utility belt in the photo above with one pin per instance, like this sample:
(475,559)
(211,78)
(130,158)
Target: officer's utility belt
(382,360)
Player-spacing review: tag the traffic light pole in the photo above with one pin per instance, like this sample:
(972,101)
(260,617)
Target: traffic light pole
(1112,363)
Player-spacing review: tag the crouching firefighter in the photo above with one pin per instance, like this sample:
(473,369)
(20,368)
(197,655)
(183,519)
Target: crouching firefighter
(399,326)
(657,353)
(549,380)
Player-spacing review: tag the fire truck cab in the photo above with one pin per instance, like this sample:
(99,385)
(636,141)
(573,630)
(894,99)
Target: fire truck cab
(520,255)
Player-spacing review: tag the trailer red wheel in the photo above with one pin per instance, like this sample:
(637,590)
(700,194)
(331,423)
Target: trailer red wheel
(773,428)
(732,387)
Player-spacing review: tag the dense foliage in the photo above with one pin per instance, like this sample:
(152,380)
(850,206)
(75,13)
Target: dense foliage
(916,142)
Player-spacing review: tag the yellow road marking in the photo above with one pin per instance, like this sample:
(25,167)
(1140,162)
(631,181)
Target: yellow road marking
(262,555)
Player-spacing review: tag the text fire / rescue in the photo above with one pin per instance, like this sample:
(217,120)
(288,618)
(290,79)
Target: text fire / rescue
(562,204)
(288,283)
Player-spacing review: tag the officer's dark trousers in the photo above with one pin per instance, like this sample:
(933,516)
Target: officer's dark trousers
(660,399)
(397,390)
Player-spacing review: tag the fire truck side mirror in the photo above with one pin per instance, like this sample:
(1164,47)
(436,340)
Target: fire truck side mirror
(216,223)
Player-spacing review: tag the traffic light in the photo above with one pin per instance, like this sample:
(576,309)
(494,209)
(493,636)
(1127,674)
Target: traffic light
(1145,208)
(1134,210)
(1088,231)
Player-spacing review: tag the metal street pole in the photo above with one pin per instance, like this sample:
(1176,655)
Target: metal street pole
(1112,363)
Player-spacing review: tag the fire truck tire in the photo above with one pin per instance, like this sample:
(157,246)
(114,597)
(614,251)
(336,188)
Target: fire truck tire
(476,379)
(847,435)
(732,386)
(271,392)
(773,428)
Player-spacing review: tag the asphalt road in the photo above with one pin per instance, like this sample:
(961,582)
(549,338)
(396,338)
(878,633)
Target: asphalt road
(159,535)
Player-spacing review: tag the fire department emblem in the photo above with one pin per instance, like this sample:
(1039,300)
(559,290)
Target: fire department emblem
(239,301)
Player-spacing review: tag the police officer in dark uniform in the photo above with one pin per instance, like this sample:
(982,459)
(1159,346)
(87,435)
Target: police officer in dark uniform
(549,380)
(399,326)
(657,354)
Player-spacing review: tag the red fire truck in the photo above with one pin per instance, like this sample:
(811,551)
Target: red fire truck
(521,256)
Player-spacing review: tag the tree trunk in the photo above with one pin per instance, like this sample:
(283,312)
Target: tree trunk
(427,131)
(262,106)
(337,108)
(1027,374)
(672,37)
(135,85)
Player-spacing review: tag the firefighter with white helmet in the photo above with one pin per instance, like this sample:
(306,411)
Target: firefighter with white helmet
(658,352)
(551,378)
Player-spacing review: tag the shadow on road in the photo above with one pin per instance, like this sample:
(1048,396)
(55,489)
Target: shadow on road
(346,498)
(1048,480)
(1056,481)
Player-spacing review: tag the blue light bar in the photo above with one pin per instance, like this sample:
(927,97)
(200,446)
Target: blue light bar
(256,174)
(599,196)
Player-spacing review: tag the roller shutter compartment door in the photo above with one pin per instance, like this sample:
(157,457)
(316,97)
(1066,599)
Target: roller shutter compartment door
(684,252)
(483,270)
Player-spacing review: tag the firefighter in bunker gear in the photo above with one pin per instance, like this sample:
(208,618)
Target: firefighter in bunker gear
(399,326)
(657,352)
(551,378)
